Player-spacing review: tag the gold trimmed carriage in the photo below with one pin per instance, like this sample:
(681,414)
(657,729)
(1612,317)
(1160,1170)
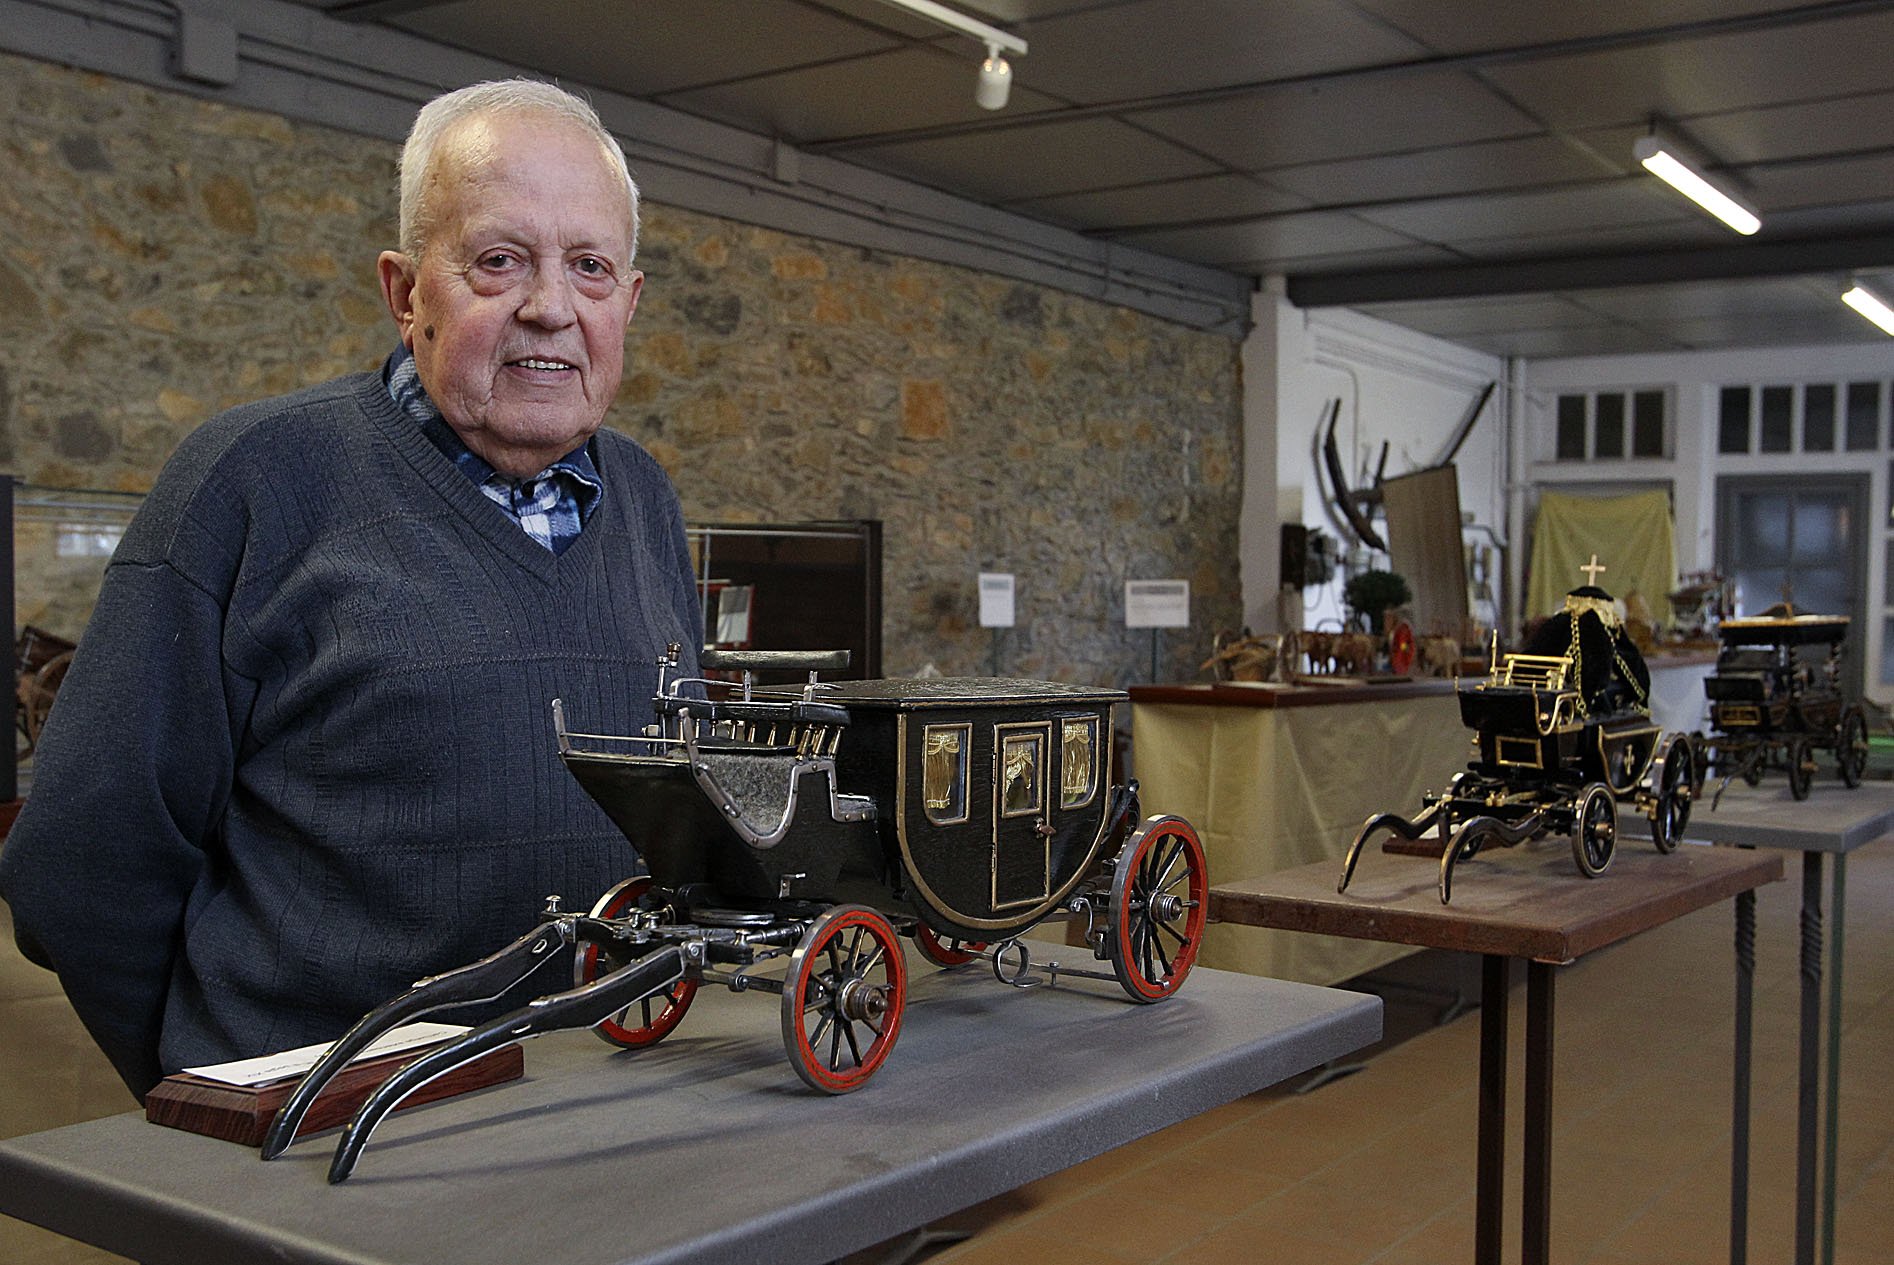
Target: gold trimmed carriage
(1776,698)
(1547,761)
(794,837)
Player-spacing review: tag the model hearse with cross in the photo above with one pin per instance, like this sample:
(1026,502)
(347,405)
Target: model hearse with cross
(1562,741)
(795,839)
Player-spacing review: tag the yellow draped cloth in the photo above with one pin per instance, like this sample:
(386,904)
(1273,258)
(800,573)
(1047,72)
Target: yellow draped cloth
(1634,540)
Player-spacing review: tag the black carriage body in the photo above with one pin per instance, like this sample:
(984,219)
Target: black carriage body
(682,824)
(1776,677)
(992,796)
(976,804)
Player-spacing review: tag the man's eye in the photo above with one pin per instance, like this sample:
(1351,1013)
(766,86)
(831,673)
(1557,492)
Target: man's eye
(496,259)
(591,267)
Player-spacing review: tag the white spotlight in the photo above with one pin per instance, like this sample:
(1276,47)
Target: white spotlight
(996,80)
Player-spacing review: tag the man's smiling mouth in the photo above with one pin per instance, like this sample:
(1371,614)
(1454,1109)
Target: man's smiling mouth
(540,364)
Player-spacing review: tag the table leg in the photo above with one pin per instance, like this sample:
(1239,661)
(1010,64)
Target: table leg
(1831,1125)
(1536,1218)
(1809,1063)
(1739,1108)
(1490,1203)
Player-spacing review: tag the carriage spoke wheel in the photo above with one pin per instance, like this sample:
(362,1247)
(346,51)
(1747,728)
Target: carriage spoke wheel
(1594,830)
(842,998)
(1159,903)
(945,952)
(1851,746)
(1801,767)
(1676,786)
(645,1022)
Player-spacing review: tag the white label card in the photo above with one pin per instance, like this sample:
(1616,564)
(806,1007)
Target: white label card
(996,600)
(1157,603)
(266,1068)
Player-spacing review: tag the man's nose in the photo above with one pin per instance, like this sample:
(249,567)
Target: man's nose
(548,298)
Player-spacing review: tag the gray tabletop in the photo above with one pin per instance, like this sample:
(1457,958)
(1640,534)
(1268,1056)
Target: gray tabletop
(706,1147)
(1832,819)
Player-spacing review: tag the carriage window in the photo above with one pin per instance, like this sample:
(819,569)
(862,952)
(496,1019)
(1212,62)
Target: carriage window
(1078,746)
(944,772)
(1022,775)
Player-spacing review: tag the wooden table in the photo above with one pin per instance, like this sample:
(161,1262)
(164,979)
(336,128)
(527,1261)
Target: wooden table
(1833,820)
(705,1148)
(1526,902)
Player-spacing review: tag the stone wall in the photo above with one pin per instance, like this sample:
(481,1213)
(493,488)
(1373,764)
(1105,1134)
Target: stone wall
(169,257)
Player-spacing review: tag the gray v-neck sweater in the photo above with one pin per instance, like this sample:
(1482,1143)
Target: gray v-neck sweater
(305,753)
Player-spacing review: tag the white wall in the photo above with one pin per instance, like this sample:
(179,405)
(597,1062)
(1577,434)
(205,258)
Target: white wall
(1395,386)
(1695,380)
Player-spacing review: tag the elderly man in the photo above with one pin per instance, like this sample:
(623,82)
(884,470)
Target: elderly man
(305,753)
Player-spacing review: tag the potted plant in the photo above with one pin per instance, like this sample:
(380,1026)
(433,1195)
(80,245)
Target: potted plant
(1372,594)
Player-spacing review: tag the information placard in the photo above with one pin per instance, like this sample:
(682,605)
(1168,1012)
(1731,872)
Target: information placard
(996,600)
(1157,603)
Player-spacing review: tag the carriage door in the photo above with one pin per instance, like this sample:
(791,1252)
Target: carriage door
(1022,814)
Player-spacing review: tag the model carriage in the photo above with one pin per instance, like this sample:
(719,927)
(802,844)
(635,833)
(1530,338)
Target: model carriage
(1776,698)
(1563,741)
(794,838)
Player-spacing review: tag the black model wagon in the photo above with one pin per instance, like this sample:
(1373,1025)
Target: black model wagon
(1776,698)
(1558,749)
(795,837)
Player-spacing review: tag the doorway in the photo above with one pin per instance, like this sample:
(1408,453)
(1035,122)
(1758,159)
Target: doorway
(1800,538)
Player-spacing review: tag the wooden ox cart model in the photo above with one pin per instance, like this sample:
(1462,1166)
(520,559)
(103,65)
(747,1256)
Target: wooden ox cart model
(1562,740)
(793,839)
(1776,697)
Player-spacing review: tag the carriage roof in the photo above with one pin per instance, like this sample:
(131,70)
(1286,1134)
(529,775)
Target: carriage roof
(1783,630)
(915,693)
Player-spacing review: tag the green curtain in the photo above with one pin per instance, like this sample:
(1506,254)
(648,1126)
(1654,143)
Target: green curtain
(1633,537)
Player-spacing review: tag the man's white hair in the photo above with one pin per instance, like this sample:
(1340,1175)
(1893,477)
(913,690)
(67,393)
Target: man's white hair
(499,96)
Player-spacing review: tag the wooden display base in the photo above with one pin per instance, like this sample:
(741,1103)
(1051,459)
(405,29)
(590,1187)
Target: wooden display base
(239,1114)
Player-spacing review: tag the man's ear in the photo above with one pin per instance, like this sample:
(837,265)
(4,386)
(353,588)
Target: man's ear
(637,286)
(396,272)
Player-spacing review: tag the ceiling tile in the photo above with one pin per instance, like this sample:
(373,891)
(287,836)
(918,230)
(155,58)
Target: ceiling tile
(649,47)
(1550,213)
(1285,237)
(1315,123)
(1508,164)
(1705,76)
(914,87)
(1460,318)
(1721,300)
(1839,125)
(1470,25)
(1198,198)
(1122,52)
(1034,162)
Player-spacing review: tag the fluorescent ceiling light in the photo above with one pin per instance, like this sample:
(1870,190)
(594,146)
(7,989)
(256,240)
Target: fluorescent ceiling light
(996,73)
(1662,161)
(1870,305)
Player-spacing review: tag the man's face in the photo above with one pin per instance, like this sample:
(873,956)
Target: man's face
(516,311)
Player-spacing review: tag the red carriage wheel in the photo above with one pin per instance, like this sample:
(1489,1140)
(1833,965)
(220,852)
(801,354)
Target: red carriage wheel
(842,998)
(1401,648)
(643,1022)
(1159,903)
(949,952)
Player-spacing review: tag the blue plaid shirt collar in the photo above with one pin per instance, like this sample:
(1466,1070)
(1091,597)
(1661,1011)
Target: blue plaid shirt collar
(551,507)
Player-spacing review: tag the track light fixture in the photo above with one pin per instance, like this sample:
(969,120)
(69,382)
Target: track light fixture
(1870,305)
(995,83)
(1660,158)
